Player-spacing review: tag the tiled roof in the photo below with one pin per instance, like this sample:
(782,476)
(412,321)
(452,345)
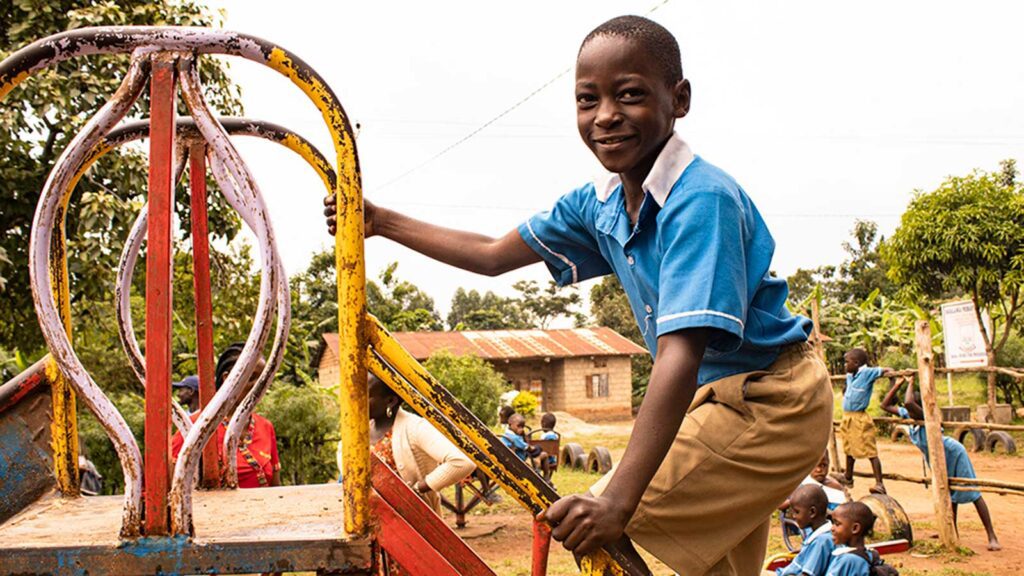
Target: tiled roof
(515,344)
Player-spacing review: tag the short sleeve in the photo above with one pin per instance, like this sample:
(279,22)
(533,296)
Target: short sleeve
(703,274)
(818,558)
(565,238)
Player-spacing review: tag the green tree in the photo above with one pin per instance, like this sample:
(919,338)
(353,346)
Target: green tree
(541,307)
(38,120)
(472,380)
(861,272)
(966,237)
(305,419)
(610,307)
(474,311)
(400,305)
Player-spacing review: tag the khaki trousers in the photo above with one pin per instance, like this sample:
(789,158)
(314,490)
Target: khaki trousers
(746,443)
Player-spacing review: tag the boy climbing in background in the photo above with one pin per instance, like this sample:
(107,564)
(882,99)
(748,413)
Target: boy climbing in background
(958,463)
(857,428)
(734,380)
(808,507)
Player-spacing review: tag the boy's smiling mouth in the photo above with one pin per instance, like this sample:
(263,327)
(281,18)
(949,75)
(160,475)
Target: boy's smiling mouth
(612,141)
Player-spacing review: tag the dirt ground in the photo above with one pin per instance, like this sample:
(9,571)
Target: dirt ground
(502,536)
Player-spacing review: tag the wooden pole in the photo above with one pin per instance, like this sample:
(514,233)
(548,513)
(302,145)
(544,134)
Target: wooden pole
(833,448)
(933,430)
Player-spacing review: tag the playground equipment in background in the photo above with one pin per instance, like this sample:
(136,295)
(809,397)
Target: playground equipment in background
(163,524)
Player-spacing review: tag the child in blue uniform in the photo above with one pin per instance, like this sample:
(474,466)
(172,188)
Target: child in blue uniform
(734,380)
(958,463)
(808,507)
(851,523)
(857,429)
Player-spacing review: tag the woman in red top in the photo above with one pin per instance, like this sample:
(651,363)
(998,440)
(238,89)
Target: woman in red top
(258,462)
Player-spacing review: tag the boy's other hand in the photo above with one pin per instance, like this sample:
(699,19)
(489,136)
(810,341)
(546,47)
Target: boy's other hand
(583,524)
(331,214)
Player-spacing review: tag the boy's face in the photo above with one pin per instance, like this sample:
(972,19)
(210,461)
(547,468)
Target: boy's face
(802,514)
(843,528)
(625,110)
(517,425)
(820,471)
(851,363)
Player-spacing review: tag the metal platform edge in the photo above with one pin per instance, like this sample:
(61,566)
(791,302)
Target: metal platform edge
(181,555)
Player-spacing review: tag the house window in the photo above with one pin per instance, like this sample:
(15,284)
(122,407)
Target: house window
(600,362)
(536,387)
(597,386)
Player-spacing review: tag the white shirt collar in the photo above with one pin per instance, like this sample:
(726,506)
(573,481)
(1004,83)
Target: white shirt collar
(826,527)
(672,161)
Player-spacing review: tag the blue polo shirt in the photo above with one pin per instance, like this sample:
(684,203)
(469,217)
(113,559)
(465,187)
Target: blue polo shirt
(814,556)
(698,257)
(849,564)
(958,462)
(859,387)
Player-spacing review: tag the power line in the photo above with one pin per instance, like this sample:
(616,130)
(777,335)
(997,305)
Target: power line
(500,115)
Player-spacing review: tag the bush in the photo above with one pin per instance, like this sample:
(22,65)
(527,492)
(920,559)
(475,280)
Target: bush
(472,380)
(305,419)
(525,403)
(96,446)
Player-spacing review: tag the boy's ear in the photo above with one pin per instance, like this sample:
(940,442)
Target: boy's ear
(681,98)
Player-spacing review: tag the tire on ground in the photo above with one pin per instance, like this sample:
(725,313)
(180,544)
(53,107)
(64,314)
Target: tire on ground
(972,438)
(600,460)
(999,438)
(891,521)
(899,434)
(571,456)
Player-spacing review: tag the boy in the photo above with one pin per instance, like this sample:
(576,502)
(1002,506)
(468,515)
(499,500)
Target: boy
(808,508)
(958,464)
(835,492)
(693,256)
(513,438)
(857,428)
(851,523)
(547,426)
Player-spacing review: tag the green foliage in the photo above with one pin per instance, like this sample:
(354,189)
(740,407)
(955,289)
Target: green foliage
(525,403)
(400,305)
(877,324)
(473,311)
(541,307)
(610,307)
(305,419)
(1011,355)
(861,273)
(95,445)
(52,106)
(965,237)
(472,380)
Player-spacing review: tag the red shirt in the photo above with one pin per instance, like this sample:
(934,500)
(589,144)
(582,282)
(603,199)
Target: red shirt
(258,442)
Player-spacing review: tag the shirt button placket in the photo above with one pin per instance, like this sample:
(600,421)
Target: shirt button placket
(630,259)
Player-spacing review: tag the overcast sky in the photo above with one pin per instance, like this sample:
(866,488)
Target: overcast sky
(824,112)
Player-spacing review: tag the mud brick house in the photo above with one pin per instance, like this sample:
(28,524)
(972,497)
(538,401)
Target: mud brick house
(583,371)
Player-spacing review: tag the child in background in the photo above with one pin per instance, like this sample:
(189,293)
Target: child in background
(808,508)
(514,439)
(851,524)
(835,492)
(958,463)
(857,428)
(547,425)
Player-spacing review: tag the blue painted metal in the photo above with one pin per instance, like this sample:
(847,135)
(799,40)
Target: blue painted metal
(25,460)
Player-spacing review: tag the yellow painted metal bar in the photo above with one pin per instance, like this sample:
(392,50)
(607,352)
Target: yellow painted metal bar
(351,273)
(427,397)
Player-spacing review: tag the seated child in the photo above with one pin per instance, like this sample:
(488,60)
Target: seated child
(808,508)
(837,493)
(513,438)
(958,463)
(547,424)
(857,429)
(851,523)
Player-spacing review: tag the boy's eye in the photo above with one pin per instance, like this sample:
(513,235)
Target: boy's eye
(631,95)
(585,100)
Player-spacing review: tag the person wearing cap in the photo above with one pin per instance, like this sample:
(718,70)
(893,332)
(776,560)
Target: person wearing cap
(188,393)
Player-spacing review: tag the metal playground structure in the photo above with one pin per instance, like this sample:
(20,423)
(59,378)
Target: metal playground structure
(165,523)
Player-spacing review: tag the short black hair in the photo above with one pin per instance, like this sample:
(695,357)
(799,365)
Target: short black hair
(504,412)
(548,421)
(226,362)
(652,37)
(859,513)
(811,495)
(858,355)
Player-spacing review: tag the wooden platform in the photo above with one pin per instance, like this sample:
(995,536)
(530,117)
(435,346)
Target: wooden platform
(240,531)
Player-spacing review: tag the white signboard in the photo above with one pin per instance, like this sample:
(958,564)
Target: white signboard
(964,343)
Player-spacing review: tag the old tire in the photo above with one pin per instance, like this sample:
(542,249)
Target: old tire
(997,439)
(973,439)
(599,461)
(899,434)
(572,456)
(891,521)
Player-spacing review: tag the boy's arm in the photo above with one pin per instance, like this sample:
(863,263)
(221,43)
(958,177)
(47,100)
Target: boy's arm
(889,402)
(466,250)
(585,523)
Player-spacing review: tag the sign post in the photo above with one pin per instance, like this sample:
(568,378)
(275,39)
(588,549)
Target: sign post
(963,342)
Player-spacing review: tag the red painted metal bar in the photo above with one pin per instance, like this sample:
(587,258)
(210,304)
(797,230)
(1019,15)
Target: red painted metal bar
(425,521)
(157,473)
(204,307)
(404,544)
(12,391)
(541,548)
